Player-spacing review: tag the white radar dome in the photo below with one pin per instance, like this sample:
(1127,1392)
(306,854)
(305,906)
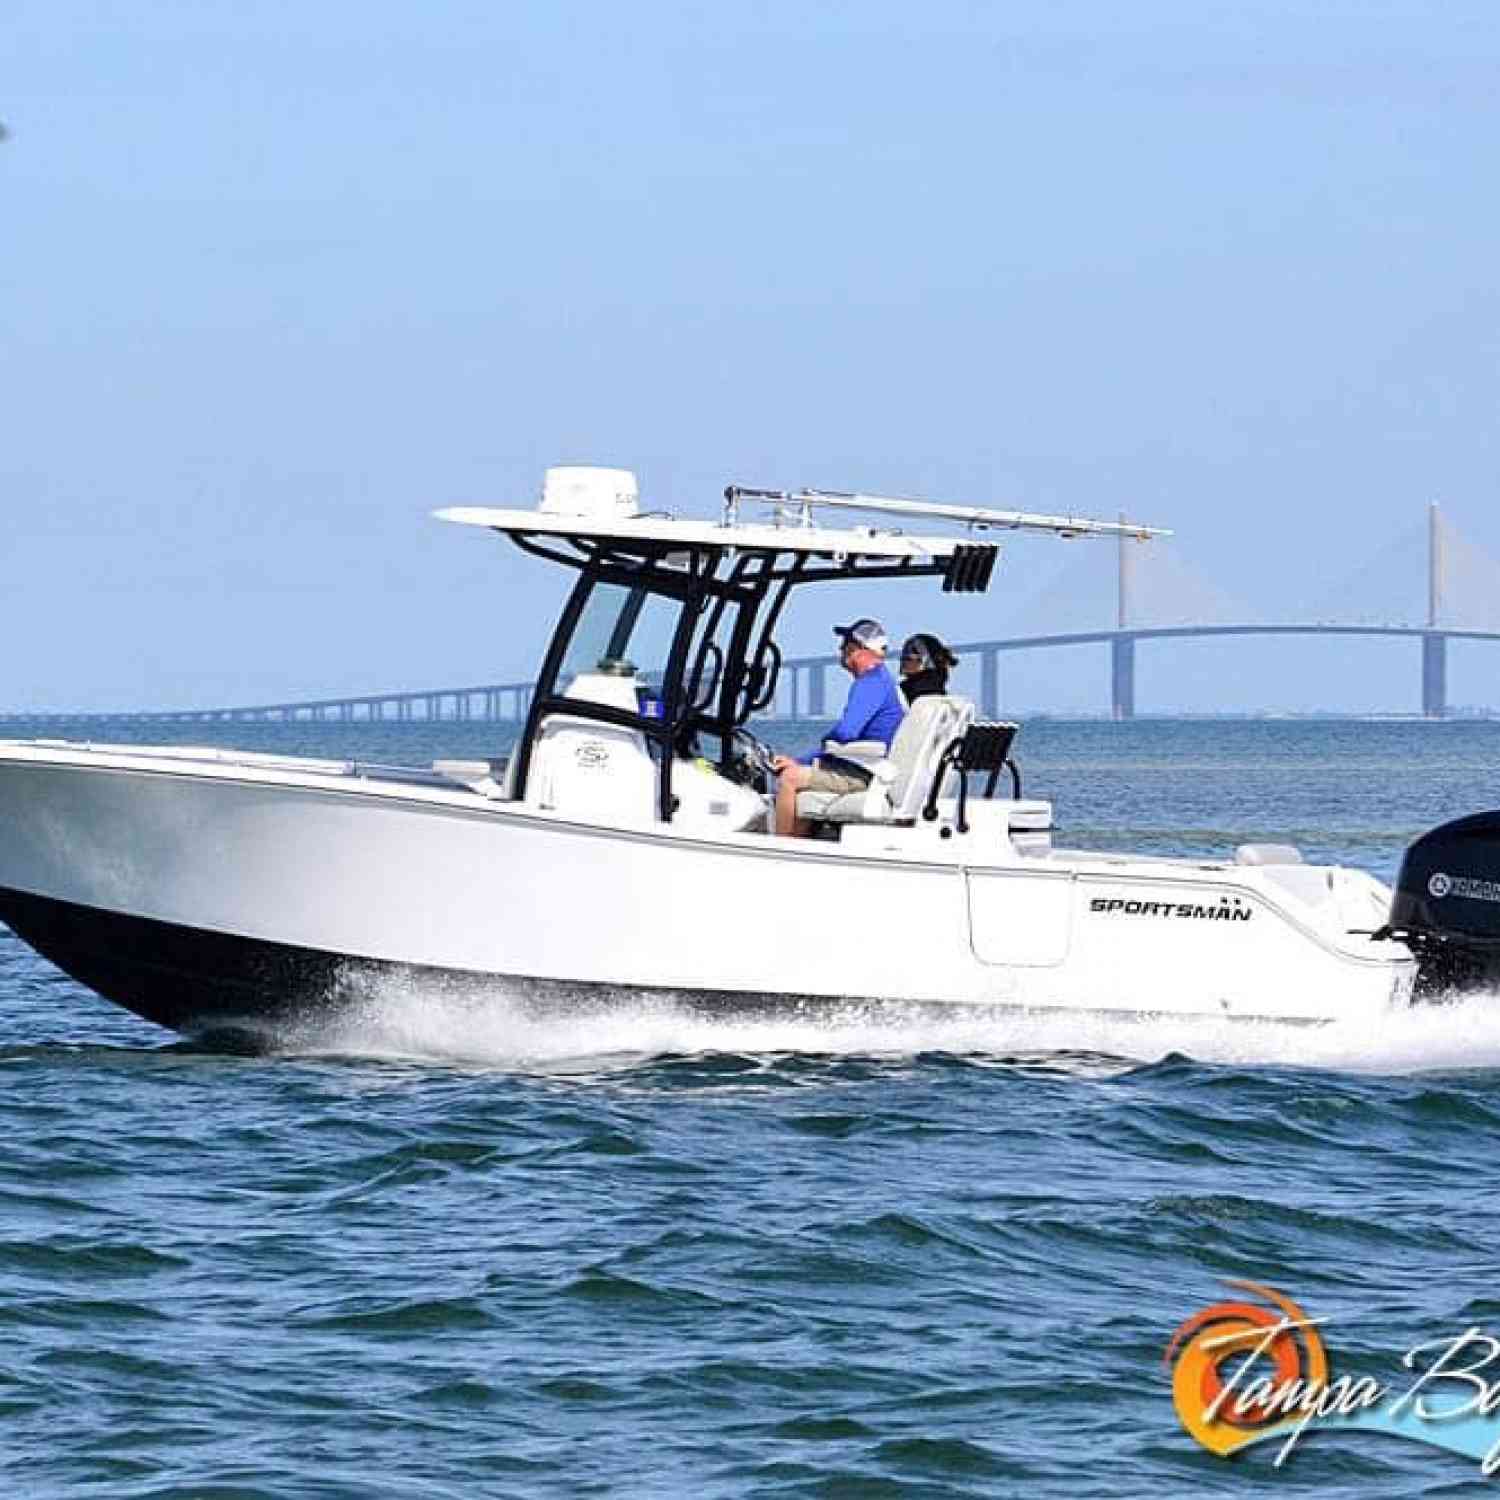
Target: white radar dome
(582,490)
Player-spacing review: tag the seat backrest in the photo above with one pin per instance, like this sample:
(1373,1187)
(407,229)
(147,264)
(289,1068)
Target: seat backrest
(930,726)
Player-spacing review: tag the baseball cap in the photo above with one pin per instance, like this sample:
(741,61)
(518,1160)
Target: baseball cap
(867,633)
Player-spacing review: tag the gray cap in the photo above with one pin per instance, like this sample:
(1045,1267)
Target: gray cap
(867,633)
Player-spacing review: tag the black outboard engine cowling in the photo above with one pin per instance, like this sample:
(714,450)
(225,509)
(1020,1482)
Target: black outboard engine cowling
(1447,906)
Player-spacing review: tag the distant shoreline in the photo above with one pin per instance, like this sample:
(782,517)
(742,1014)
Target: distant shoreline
(145,717)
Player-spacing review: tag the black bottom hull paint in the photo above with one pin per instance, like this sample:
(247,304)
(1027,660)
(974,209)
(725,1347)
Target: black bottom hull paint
(184,978)
(250,994)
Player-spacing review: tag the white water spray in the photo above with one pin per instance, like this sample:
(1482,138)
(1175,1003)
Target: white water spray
(505,1026)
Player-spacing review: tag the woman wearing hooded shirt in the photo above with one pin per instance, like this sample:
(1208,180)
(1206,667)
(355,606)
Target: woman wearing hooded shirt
(925,664)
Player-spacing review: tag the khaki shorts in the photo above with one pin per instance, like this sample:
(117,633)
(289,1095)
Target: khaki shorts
(834,777)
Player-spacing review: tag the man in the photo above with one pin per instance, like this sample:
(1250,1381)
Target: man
(873,712)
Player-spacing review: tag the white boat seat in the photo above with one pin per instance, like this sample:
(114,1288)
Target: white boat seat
(899,782)
(1267,854)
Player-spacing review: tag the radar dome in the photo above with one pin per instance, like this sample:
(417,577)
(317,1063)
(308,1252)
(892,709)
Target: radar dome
(582,490)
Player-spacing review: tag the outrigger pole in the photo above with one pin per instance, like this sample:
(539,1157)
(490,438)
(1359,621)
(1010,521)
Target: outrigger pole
(796,506)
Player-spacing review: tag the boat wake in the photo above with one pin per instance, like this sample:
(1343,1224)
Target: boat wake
(506,1025)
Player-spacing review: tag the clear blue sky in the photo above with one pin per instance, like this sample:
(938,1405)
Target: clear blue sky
(279,278)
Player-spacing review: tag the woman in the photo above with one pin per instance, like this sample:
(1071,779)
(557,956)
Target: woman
(925,664)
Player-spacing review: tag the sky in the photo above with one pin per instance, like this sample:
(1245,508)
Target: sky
(278,279)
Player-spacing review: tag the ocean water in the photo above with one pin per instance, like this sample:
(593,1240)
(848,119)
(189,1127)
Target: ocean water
(457,1253)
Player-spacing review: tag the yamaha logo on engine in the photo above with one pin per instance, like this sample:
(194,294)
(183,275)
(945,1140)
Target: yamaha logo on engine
(1461,885)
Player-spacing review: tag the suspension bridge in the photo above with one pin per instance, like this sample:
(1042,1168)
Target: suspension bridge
(1463,604)
(1454,613)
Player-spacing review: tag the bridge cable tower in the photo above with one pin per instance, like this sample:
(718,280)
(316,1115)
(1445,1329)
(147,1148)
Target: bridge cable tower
(1122,647)
(1435,643)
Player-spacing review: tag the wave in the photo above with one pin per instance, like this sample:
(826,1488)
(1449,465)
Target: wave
(508,1026)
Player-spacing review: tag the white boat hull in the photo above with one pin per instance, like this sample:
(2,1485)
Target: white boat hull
(209,891)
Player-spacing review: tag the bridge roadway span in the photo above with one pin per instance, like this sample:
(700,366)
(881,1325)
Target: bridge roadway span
(805,692)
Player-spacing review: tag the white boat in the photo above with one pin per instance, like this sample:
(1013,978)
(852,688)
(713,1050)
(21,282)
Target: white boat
(623,848)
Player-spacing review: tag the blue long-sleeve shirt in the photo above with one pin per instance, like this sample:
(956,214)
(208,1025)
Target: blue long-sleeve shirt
(874,712)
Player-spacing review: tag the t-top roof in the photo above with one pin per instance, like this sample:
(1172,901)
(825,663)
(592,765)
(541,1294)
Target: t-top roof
(791,527)
(851,541)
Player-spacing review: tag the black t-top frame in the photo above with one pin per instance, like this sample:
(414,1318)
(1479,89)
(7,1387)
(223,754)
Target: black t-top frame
(705,581)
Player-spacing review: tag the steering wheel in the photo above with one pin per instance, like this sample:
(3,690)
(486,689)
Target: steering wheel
(750,761)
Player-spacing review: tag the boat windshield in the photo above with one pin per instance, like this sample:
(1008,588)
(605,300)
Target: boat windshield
(622,630)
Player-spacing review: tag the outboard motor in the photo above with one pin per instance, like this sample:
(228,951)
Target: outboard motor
(1447,906)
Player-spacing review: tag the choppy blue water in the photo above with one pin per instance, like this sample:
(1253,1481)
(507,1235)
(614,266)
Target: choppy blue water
(466,1256)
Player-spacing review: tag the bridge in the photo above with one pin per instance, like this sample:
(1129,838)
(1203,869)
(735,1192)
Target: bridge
(1452,613)
(495,702)
(810,700)
(1447,555)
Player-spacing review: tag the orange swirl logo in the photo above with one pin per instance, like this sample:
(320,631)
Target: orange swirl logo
(1213,1352)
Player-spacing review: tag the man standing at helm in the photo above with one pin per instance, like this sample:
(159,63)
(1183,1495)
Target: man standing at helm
(873,712)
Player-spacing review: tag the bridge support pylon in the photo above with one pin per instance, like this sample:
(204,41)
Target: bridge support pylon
(989,684)
(1435,675)
(1122,676)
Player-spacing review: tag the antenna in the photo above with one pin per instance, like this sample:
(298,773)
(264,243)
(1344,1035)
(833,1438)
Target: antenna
(795,507)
